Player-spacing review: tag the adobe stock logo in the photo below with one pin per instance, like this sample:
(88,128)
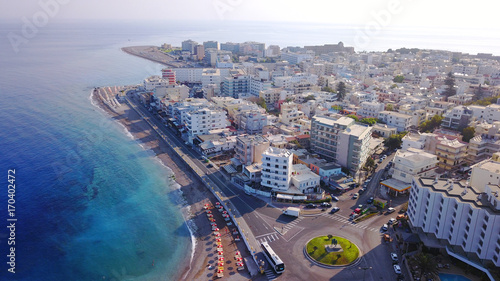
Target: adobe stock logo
(224,6)
(381,18)
(31,26)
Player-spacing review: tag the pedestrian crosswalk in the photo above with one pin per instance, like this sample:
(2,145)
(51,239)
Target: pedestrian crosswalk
(270,237)
(286,226)
(270,274)
(347,221)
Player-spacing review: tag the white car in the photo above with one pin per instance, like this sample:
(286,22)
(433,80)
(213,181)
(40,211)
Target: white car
(391,210)
(397,269)
(392,221)
(394,257)
(385,227)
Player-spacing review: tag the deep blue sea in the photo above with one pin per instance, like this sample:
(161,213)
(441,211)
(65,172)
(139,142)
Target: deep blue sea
(91,203)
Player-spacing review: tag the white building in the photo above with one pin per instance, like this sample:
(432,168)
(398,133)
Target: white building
(252,121)
(370,109)
(401,121)
(257,85)
(341,140)
(465,220)
(217,147)
(153,82)
(172,92)
(409,163)
(290,116)
(249,149)
(276,168)
(201,122)
(294,58)
(304,179)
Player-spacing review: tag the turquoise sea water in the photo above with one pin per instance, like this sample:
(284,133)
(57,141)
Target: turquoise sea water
(91,203)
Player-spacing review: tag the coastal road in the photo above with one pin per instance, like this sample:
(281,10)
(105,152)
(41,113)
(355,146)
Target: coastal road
(288,236)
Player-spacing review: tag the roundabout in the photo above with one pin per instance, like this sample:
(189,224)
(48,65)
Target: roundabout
(332,251)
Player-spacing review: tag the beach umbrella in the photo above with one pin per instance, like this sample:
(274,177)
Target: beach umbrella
(221,259)
(218,234)
(220,253)
(221,264)
(218,239)
(217,203)
(238,253)
(209,211)
(240,264)
(239,259)
(217,229)
(225,212)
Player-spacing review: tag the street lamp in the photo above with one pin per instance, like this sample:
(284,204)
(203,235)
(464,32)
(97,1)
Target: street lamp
(364,270)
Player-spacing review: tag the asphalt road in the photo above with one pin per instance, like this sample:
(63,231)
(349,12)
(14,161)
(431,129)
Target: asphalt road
(288,236)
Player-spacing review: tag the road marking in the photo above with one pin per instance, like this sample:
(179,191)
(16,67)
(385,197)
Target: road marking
(265,234)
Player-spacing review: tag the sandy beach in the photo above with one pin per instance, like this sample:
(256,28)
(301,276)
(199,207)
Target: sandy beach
(195,195)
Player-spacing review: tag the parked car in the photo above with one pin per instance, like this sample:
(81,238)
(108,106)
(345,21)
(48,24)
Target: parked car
(397,269)
(334,210)
(361,191)
(392,221)
(385,227)
(210,165)
(391,210)
(335,198)
(310,206)
(355,196)
(326,205)
(370,200)
(394,257)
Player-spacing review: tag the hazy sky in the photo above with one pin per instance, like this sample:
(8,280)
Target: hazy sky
(395,13)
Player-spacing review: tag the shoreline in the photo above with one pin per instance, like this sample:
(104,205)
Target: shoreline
(151,53)
(193,194)
(138,131)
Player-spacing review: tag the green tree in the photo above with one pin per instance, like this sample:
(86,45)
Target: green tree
(394,141)
(262,103)
(341,90)
(327,89)
(337,107)
(398,79)
(430,125)
(353,117)
(369,121)
(309,97)
(370,163)
(426,263)
(450,82)
(478,94)
(389,107)
(468,133)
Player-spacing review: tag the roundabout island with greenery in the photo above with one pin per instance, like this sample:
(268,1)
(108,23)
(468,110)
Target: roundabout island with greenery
(332,250)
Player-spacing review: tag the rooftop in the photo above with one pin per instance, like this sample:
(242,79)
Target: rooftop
(277,152)
(458,190)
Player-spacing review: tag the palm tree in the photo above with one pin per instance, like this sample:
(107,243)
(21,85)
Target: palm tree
(426,263)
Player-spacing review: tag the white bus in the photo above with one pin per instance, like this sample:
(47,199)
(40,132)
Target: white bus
(275,261)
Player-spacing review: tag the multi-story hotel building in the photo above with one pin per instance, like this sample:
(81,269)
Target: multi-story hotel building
(202,121)
(276,168)
(341,140)
(249,149)
(464,219)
